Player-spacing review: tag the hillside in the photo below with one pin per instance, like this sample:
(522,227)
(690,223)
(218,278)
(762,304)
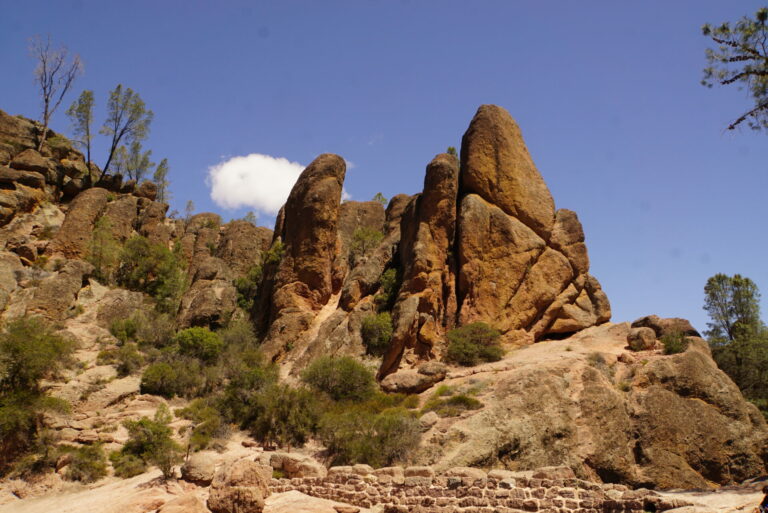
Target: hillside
(98,259)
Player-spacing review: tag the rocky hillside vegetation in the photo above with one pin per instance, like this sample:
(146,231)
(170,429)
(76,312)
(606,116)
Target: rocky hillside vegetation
(459,327)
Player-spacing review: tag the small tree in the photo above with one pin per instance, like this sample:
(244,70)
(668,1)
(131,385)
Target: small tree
(251,218)
(137,163)
(160,178)
(741,57)
(380,198)
(364,240)
(103,250)
(128,119)
(200,343)
(54,75)
(189,210)
(81,114)
(150,440)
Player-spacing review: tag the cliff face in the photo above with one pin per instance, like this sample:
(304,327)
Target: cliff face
(482,242)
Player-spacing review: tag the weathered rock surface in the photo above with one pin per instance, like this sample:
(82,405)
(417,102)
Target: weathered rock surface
(666,421)
(74,236)
(199,469)
(57,294)
(667,326)
(427,298)
(207,303)
(185,504)
(242,244)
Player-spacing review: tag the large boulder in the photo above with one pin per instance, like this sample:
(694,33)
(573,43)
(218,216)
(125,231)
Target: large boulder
(663,421)
(57,294)
(240,487)
(122,216)
(666,326)
(199,469)
(74,236)
(305,278)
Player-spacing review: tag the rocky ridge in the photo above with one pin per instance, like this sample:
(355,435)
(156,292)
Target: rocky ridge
(482,242)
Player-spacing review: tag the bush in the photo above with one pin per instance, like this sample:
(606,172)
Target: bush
(155,329)
(88,464)
(248,286)
(29,352)
(389,286)
(377,332)
(359,435)
(154,269)
(343,379)
(472,344)
(454,405)
(129,360)
(159,379)
(124,330)
(674,343)
(283,416)
(150,440)
(200,343)
(127,465)
(208,423)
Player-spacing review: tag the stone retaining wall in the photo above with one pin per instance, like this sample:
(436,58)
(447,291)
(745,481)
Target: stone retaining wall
(418,490)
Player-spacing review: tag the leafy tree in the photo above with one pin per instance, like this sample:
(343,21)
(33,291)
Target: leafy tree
(452,151)
(248,286)
(128,120)
(738,337)
(741,58)
(137,164)
(160,177)
(343,378)
(208,423)
(103,250)
(733,304)
(154,269)
(389,286)
(54,75)
(150,440)
(81,114)
(189,210)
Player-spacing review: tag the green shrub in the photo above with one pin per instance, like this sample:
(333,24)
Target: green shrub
(248,286)
(159,379)
(103,250)
(364,240)
(88,464)
(124,330)
(155,329)
(150,440)
(274,254)
(154,269)
(208,423)
(674,343)
(376,331)
(389,286)
(200,343)
(283,416)
(29,352)
(127,465)
(453,406)
(343,379)
(472,344)
(129,360)
(358,435)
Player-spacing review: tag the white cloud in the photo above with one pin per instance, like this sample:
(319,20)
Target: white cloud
(258,181)
(261,182)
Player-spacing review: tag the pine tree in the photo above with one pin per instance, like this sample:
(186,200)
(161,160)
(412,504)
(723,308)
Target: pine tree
(81,114)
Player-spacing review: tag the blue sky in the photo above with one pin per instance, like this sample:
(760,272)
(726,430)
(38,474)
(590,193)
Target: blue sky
(607,94)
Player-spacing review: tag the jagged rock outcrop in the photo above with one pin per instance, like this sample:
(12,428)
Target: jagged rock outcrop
(306,277)
(486,244)
(239,487)
(427,298)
